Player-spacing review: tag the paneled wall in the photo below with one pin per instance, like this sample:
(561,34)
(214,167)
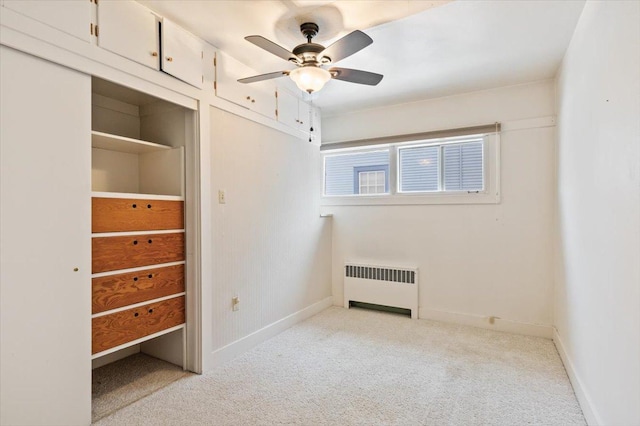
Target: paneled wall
(271,248)
(597,297)
(476,261)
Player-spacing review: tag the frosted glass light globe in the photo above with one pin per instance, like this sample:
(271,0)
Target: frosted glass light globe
(310,78)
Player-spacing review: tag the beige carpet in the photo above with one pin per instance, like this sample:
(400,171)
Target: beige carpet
(357,367)
(121,383)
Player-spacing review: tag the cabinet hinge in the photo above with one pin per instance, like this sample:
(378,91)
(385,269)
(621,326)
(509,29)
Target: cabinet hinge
(215,62)
(276,113)
(203,78)
(276,93)
(215,85)
(97,33)
(202,54)
(95,1)
(91,28)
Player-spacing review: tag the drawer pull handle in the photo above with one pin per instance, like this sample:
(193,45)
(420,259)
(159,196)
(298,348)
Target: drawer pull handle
(150,311)
(150,241)
(135,278)
(134,206)
(150,275)
(148,206)
(136,314)
(135,242)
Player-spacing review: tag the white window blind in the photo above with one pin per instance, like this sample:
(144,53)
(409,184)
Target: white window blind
(463,169)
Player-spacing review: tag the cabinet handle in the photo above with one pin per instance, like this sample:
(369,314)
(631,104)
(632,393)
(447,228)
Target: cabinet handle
(253,100)
(248,98)
(136,314)
(135,242)
(135,278)
(150,311)
(169,59)
(150,276)
(150,241)
(134,205)
(148,206)
(154,53)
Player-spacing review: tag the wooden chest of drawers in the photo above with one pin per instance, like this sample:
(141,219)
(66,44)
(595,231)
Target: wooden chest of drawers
(113,253)
(121,327)
(115,291)
(123,214)
(138,285)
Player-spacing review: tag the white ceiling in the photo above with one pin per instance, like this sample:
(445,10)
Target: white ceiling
(425,49)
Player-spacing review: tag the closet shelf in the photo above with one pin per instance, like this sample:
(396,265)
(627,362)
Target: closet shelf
(123,144)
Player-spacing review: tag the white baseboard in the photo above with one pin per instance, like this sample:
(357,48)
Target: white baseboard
(590,415)
(499,324)
(230,351)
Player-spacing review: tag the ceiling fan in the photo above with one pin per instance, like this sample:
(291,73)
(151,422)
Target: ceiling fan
(310,58)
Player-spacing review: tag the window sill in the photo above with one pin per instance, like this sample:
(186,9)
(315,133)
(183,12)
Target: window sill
(411,199)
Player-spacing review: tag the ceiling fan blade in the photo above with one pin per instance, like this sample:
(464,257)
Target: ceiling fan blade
(356,76)
(271,47)
(261,77)
(346,46)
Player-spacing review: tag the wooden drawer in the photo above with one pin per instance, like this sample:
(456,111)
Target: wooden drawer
(121,327)
(116,291)
(113,253)
(122,214)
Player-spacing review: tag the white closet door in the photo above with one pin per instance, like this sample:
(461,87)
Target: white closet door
(130,30)
(71,16)
(182,54)
(45,214)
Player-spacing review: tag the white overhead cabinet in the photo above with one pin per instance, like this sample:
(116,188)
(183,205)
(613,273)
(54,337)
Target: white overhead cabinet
(130,30)
(70,16)
(182,54)
(259,97)
(298,114)
(45,250)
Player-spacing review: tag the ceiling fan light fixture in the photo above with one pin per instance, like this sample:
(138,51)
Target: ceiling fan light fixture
(310,78)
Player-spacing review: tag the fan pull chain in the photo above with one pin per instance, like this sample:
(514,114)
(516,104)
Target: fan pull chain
(310,118)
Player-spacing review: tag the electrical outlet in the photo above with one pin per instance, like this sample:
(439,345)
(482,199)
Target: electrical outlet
(235,303)
(222,199)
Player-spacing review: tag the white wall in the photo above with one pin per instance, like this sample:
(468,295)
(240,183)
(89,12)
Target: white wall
(475,261)
(271,248)
(597,297)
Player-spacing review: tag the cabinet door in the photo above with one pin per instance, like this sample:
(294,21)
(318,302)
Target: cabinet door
(130,30)
(304,116)
(288,110)
(70,16)
(316,124)
(208,67)
(259,97)
(182,54)
(45,213)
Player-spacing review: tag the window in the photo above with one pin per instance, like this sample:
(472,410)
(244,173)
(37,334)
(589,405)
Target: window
(371,179)
(357,173)
(450,170)
(442,167)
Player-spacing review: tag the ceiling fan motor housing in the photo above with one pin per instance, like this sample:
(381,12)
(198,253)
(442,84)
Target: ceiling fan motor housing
(308,52)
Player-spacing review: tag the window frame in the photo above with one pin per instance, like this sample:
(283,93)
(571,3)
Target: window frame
(375,168)
(491,169)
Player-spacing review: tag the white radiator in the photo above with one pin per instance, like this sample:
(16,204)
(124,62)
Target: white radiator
(381,285)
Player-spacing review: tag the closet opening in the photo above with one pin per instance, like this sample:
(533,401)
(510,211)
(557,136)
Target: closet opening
(143,244)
